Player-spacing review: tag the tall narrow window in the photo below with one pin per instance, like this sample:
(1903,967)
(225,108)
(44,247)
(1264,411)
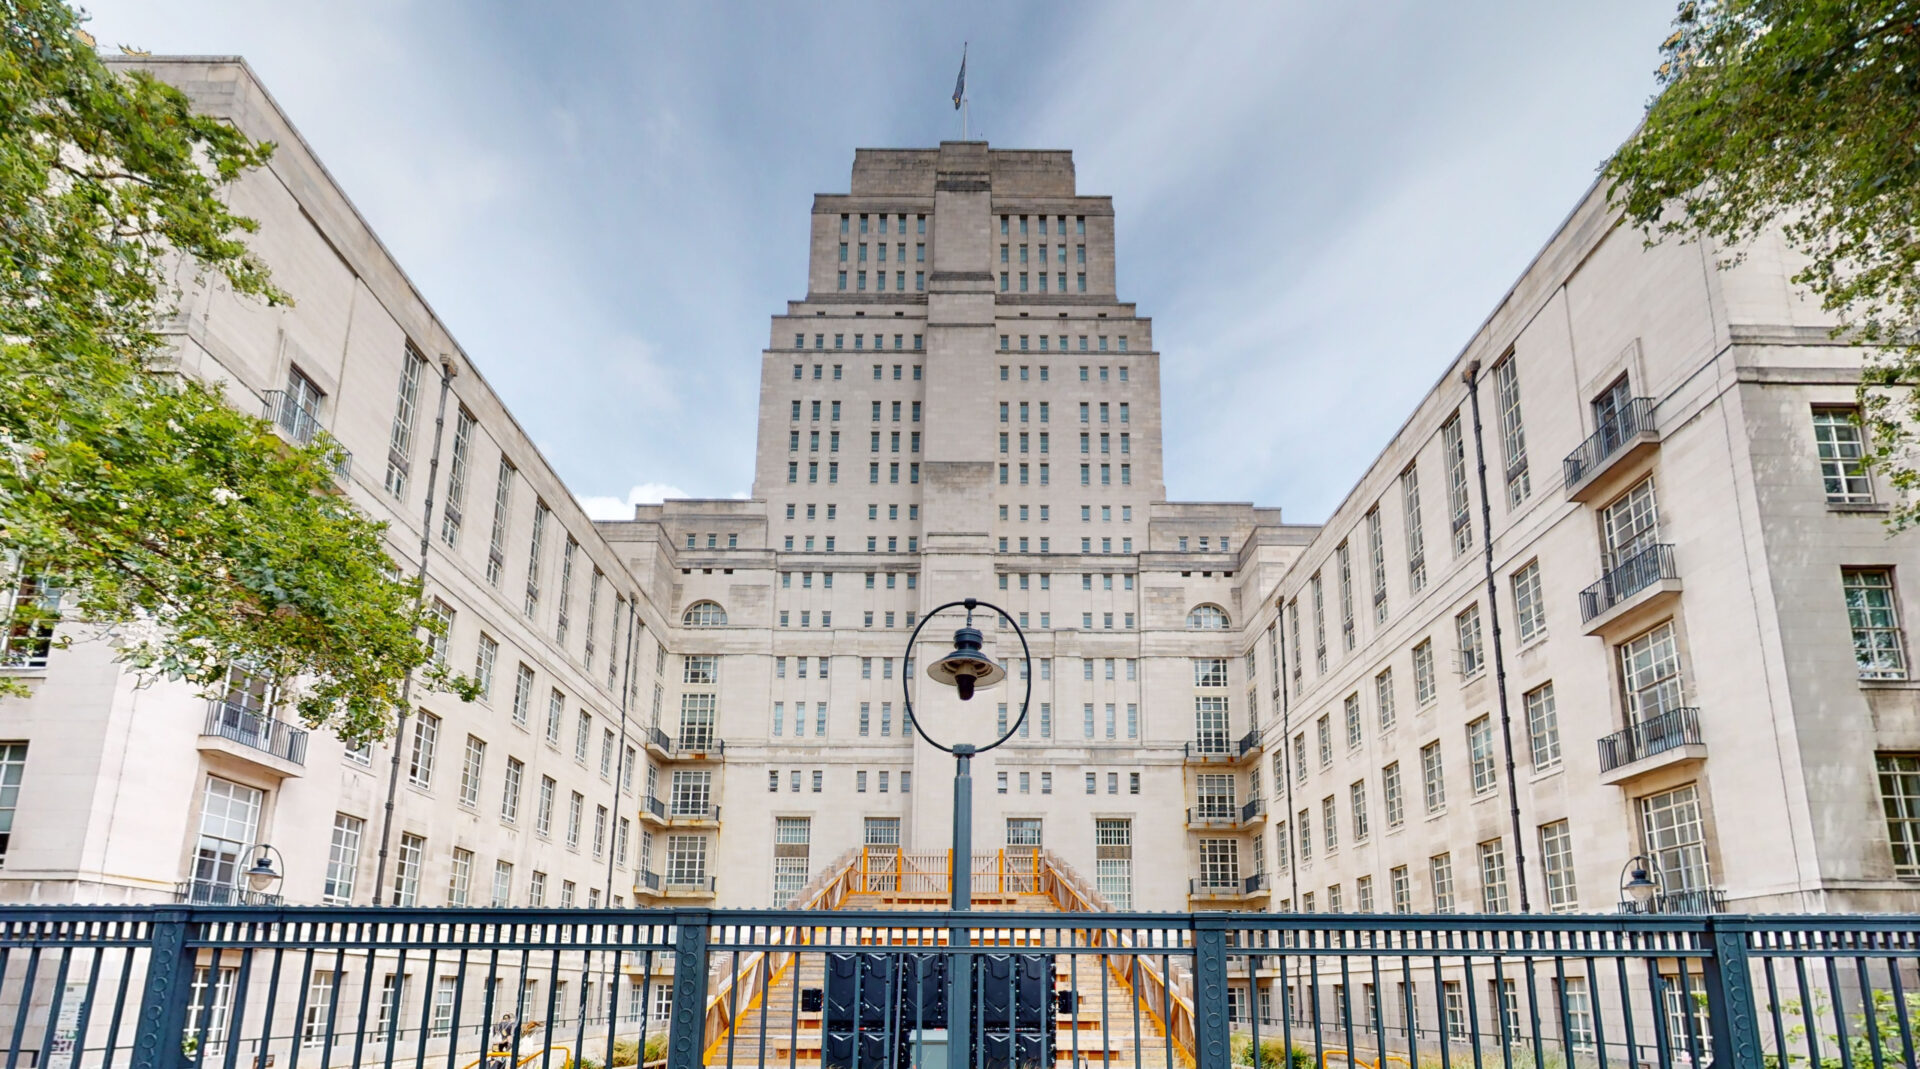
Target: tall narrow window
(400,440)
(1416,540)
(1459,511)
(1543,728)
(1493,876)
(1440,878)
(1674,836)
(1467,628)
(457,472)
(1900,798)
(426,736)
(502,508)
(1513,437)
(1377,561)
(1556,856)
(1878,650)
(1529,608)
(343,859)
(1480,755)
(560,621)
(1433,778)
(1344,561)
(1843,468)
(540,514)
(1650,675)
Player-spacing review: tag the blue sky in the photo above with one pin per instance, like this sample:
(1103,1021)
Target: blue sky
(1316,203)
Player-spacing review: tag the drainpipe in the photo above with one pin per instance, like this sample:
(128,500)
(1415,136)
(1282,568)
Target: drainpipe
(620,759)
(1471,376)
(1286,737)
(447,372)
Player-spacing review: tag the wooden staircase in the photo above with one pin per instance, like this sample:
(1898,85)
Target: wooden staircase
(1110,1027)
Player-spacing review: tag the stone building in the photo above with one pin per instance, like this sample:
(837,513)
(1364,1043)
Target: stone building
(707,702)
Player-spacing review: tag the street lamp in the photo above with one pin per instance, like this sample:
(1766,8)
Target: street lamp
(1639,882)
(966,669)
(262,874)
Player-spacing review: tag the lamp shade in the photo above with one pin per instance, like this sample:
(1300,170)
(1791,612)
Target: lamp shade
(1639,887)
(966,669)
(261,874)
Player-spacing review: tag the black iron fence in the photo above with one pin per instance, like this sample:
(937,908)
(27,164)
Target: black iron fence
(1631,420)
(286,988)
(1655,735)
(1626,578)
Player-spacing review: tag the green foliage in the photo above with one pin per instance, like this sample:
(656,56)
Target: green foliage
(625,1052)
(1801,114)
(1884,1047)
(656,1047)
(1273,1053)
(187,532)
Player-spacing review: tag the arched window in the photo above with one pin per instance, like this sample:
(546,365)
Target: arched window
(1207,618)
(704,614)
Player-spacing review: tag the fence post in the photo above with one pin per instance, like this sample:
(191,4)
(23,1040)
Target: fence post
(1733,1021)
(1210,1039)
(163,1002)
(688,1030)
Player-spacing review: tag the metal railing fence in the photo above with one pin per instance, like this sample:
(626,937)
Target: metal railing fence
(282,988)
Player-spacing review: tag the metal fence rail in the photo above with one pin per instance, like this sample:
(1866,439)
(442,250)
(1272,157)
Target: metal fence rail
(286,988)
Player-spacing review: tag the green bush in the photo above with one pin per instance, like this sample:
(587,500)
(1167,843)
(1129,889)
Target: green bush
(1273,1054)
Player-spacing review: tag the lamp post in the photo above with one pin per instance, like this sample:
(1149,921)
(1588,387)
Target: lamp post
(262,875)
(1639,884)
(966,669)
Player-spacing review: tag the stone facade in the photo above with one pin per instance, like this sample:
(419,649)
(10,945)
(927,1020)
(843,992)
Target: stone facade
(961,406)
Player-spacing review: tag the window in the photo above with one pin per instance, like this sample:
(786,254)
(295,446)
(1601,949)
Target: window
(1556,856)
(1207,671)
(1493,877)
(1513,437)
(406,871)
(470,771)
(316,1024)
(1432,778)
(502,884)
(1402,890)
(1454,448)
(522,694)
(343,853)
(1674,836)
(1220,865)
(1480,755)
(556,707)
(792,847)
(1383,697)
(1390,790)
(1357,809)
(1416,540)
(1467,627)
(1579,1011)
(1875,621)
(1529,609)
(1113,861)
(400,439)
(1023,832)
(1352,708)
(1344,566)
(1207,618)
(543,815)
(1842,450)
(1630,525)
(704,614)
(1650,674)
(29,609)
(1424,690)
(1440,878)
(460,877)
(1900,797)
(426,735)
(510,790)
(1543,728)
(540,514)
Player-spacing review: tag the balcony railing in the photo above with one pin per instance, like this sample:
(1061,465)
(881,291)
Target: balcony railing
(263,733)
(1697,900)
(1633,420)
(690,742)
(213,893)
(1627,578)
(1219,746)
(1253,810)
(1206,887)
(708,812)
(732,982)
(650,881)
(300,425)
(655,808)
(1656,734)
(689,883)
(1213,811)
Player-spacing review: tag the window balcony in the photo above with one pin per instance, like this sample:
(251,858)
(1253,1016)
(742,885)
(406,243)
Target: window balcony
(1213,889)
(681,815)
(1612,452)
(274,745)
(1697,900)
(210,893)
(648,883)
(690,746)
(1212,814)
(1217,748)
(1657,742)
(1635,591)
(299,426)
(687,886)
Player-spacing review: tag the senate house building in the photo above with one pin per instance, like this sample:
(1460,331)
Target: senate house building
(1618,592)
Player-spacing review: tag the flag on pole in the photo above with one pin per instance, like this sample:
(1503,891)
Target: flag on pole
(960,84)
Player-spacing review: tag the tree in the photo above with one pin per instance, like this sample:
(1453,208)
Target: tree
(1802,115)
(178,528)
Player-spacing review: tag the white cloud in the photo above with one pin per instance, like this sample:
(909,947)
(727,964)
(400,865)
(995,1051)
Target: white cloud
(614,508)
